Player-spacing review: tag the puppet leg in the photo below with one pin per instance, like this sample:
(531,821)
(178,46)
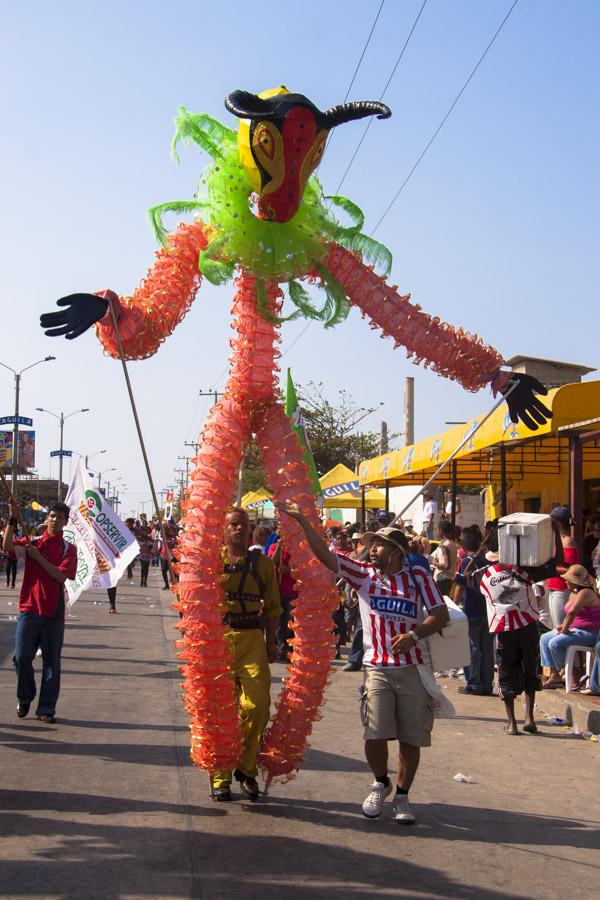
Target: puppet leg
(210,694)
(285,742)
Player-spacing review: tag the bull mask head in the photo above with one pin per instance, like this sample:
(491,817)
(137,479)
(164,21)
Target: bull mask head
(281,141)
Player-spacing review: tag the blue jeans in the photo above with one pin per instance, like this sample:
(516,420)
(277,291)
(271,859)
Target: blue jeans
(594,684)
(35,631)
(356,650)
(480,674)
(553,646)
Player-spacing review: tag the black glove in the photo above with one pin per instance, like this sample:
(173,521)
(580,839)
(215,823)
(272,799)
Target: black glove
(522,402)
(81,313)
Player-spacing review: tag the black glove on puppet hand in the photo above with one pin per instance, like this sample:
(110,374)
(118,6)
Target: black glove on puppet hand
(522,401)
(82,311)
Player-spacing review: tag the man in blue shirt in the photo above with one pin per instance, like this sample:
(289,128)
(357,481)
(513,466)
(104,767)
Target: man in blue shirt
(480,674)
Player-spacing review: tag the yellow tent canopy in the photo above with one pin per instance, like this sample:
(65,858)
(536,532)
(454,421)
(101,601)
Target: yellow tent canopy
(479,460)
(341,490)
(254,499)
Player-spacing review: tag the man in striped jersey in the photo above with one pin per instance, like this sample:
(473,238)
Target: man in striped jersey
(399,607)
(512,608)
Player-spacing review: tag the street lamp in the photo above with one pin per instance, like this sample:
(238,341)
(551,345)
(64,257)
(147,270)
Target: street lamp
(89,456)
(13,484)
(100,474)
(62,419)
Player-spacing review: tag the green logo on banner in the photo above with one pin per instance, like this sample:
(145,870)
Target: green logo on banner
(93,501)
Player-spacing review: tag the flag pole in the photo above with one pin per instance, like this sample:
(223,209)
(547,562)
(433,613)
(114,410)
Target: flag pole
(142,444)
(455,452)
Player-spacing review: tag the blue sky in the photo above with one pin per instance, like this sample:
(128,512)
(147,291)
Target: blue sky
(496,231)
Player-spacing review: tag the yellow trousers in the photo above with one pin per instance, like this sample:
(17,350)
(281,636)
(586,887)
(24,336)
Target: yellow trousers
(253,678)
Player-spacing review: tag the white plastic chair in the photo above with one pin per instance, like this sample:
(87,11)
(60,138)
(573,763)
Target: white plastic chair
(570,659)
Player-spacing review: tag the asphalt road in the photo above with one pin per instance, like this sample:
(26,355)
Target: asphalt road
(107,804)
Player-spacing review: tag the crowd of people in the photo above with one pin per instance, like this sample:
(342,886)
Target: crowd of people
(393,586)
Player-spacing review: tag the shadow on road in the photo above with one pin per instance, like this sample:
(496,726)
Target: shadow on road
(151,858)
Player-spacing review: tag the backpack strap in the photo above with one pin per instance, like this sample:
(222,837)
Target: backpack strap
(249,567)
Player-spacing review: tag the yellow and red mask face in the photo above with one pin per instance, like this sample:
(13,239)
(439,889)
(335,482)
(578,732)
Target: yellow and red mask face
(281,140)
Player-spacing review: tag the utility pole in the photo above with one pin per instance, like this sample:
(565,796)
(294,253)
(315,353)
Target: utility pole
(187,468)
(62,419)
(214,394)
(181,493)
(15,446)
(193,444)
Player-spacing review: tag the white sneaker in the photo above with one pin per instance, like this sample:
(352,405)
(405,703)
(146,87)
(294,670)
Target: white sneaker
(401,810)
(373,803)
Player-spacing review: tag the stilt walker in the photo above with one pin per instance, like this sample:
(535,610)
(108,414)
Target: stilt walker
(263,219)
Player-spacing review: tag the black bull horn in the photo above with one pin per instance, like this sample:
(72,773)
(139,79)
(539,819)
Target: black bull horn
(245,105)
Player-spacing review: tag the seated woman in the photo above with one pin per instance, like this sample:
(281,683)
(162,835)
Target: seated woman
(581,624)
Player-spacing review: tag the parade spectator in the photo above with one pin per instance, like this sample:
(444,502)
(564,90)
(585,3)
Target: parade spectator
(593,688)
(252,599)
(11,569)
(281,559)
(133,528)
(171,533)
(591,542)
(479,675)
(448,507)
(144,539)
(399,608)
(512,606)
(416,557)
(556,586)
(112,600)
(444,558)
(428,515)
(156,544)
(49,562)
(260,536)
(580,625)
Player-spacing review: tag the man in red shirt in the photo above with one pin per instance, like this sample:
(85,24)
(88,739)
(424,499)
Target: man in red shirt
(49,561)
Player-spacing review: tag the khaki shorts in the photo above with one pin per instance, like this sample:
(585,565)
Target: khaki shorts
(396,706)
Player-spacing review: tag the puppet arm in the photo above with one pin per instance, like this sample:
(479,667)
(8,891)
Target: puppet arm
(151,313)
(449,351)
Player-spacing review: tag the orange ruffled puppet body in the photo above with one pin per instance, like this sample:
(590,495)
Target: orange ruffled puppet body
(266,222)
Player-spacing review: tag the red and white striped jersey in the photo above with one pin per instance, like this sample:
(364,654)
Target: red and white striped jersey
(390,605)
(511,602)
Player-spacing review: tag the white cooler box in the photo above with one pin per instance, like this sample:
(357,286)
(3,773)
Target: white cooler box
(525,539)
(449,648)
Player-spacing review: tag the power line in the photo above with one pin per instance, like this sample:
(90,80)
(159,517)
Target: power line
(358,65)
(381,96)
(297,338)
(442,123)
(364,50)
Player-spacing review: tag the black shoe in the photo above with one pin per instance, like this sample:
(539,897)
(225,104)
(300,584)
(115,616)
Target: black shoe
(23,709)
(222,793)
(351,667)
(49,720)
(248,786)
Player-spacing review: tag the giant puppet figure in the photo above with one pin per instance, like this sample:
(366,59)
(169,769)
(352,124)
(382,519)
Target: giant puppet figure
(260,216)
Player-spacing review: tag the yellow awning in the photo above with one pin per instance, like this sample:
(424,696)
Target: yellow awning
(340,490)
(479,460)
